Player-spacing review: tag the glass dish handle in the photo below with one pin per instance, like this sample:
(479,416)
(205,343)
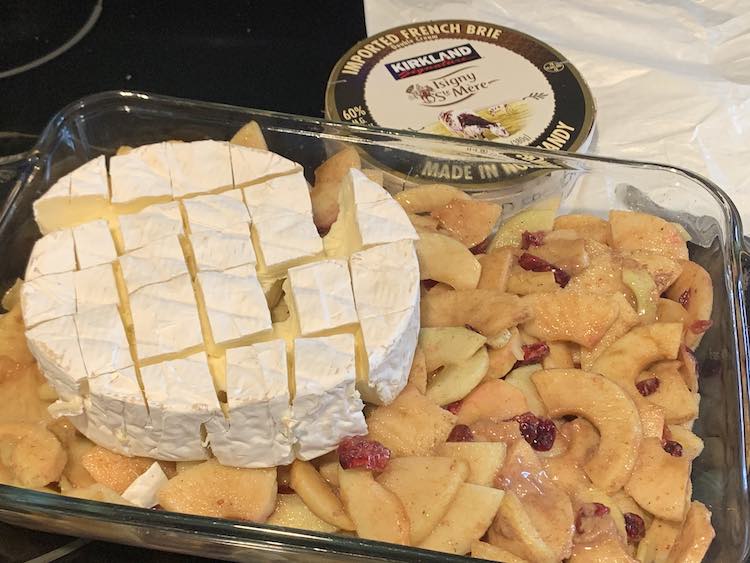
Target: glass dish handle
(13,170)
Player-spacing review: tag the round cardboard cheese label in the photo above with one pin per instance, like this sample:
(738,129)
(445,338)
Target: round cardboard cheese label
(462,79)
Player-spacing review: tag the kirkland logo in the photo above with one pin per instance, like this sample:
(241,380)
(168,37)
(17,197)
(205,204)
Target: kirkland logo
(432,61)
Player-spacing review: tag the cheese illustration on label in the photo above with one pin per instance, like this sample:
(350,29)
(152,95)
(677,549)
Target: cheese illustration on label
(153,322)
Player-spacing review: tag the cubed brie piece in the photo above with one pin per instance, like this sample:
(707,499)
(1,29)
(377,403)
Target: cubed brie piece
(257,390)
(48,297)
(94,244)
(251,165)
(52,210)
(321,296)
(52,254)
(224,212)
(150,224)
(165,318)
(95,286)
(144,491)
(216,250)
(55,346)
(117,416)
(140,176)
(104,345)
(159,261)
(181,400)
(199,167)
(235,306)
(89,185)
(368,216)
(282,219)
(326,406)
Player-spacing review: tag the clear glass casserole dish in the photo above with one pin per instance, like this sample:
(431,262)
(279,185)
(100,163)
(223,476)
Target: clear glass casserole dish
(101,123)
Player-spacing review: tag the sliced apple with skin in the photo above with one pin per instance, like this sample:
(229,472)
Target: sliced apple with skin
(540,216)
(575,317)
(496,268)
(492,399)
(586,226)
(483,550)
(658,541)
(624,360)
(692,445)
(695,537)
(603,274)
(418,371)
(448,345)
(468,518)
(560,356)
(524,282)
(377,513)
(485,459)
(632,230)
(694,290)
(504,358)
(424,223)
(446,260)
(659,481)
(569,255)
(566,469)
(292,512)
(672,395)
(455,381)
(520,378)
(652,418)
(249,135)
(607,406)
(627,318)
(642,285)
(428,197)
(318,495)
(328,179)
(426,486)
(663,270)
(514,524)
(668,311)
(485,310)
(411,425)
(470,221)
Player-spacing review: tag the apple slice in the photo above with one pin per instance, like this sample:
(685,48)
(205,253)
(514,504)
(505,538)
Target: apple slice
(292,512)
(444,259)
(632,230)
(603,274)
(624,360)
(659,481)
(424,223)
(692,445)
(496,267)
(607,406)
(514,524)
(329,177)
(470,221)
(426,487)
(504,358)
(525,282)
(418,371)
(492,399)
(428,197)
(410,425)
(520,378)
(569,255)
(448,345)
(455,381)
(627,318)
(113,470)
(696,535)
(576,317)
(485,459)
(693,290)
(483,550)
(485,310)
(658,541)
(664,271)
(652,418)
(668,311)
(566,469)
(560,355)
(249,135)
(540,216)
(585,226)
(468,518)
(672,395)
(318,495)
(377,513)
(642,285)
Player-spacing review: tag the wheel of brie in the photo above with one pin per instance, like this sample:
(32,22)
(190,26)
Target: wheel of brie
(154,304)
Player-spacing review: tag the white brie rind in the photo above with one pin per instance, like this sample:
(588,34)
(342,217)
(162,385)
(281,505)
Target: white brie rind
(321,296)
(368,216)
(257,432)
(235,307)
(326,406)
(52,210)
(89,189)
(54,344)
(93,244)
(116,416)
(95,287)
(224,212)
(283,227)
(104,345)
(47,297)
(52,254)
(144,491)
(140,177)
(199,167)
(165,319)
(251,165)
(150,224)
(218,251)
(159,261)
(183,405)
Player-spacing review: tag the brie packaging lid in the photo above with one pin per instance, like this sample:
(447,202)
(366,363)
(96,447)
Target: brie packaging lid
(462,79)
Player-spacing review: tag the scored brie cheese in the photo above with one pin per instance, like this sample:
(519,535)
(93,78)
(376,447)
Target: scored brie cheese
(48,297)
(144,490)
(95,286)
(53,210)
(250,165)
(159,261)
(225,212)
(101,335)
(140,177)
(217,250)
(93,244)
(199,167)
(89,189)
(150,224)
(54,253)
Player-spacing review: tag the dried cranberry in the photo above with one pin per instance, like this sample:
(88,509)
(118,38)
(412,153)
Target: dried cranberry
(453,407)
(461,433)
(699,327)
(285,489)
(535,264)
(561,277)
(589,510)
(529,239)
(534,353)
(672,448)
(429,284)
(684,298)
(539,432)
(648,386)
(323,231)
(481,248)
(359,452)
(635,527)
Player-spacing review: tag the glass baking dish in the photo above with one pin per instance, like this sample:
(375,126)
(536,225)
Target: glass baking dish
(99,124)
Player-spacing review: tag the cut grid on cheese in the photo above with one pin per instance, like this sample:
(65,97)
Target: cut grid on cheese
(141,176)
(54,253)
